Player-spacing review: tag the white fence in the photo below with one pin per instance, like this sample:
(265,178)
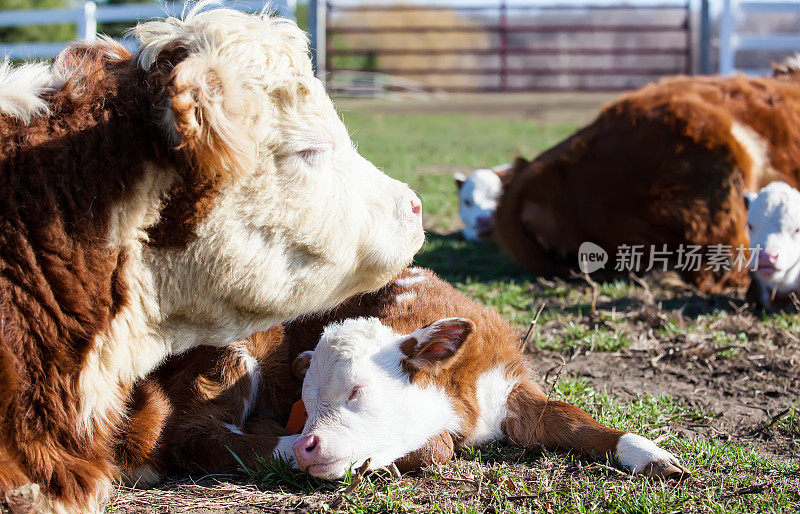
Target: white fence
(731,41)
(87,16)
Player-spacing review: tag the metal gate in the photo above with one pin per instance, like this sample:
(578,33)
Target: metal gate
(504,47)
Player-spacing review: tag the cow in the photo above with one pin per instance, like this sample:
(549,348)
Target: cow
(665,165)
(773,222)
(399,375)
(198,190)
(478,194)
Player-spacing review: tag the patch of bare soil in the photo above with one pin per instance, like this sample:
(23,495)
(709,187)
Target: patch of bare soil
(742,371)
(545,107)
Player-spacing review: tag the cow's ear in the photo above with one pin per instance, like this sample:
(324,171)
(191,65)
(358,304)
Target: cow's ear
(459,178)
(749,198)
(207,113)
(433,347)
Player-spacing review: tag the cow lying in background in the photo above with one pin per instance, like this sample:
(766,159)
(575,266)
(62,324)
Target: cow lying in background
(667,164)
(200,190)
(370,392)
(478,195)
(773,220)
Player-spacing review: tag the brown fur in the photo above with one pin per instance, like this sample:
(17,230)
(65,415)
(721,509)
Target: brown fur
(61,177)
(659,166)
(195,435)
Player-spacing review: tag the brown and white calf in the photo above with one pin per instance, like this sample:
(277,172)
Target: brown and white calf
(665,165)
(773,221)
(377,386)
(201,189)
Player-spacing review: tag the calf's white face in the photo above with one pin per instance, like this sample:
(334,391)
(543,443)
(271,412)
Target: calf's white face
(361,399)
(478,195)
(302,221)
(773,220)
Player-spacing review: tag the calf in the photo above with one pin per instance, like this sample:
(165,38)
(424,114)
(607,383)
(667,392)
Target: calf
(370,392)
(773,220)
(201,189)
(478,194)
(665,165)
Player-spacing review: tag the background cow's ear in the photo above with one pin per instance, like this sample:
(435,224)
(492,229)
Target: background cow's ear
(301,364)
(460,178)
(433,347)
(208,112)
(749,198)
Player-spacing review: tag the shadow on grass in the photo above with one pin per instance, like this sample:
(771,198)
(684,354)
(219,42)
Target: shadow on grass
(691,304)
(456,260)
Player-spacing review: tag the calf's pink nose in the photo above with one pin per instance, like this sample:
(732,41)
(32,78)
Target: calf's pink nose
(306,450)
(767,258)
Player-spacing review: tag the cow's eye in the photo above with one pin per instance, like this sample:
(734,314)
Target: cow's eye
(749,226)
(796,231)
(314,155)
(354,393)
(468,202)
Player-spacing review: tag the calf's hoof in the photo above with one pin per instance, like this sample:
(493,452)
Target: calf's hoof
(641,455)
(668,470)
(23,500)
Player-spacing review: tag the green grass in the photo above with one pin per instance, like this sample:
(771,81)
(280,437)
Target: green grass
(421,149)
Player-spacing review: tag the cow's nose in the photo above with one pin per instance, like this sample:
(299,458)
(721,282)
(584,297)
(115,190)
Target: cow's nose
(766,258)
(484,221)
(306,450)
(416,206)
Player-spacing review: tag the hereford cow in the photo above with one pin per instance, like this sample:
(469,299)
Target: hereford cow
(370,391)
(665,165)
(773,220)
(199,190)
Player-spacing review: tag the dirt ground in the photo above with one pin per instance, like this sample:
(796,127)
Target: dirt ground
(555,107)
(743,385)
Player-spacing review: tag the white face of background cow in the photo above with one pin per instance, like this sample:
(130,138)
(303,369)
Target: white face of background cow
(773,219)
(361,401)
(302,221)
(478,195)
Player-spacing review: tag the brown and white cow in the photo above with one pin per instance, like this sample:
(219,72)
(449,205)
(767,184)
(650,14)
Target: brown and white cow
(667,164)
(378,386)
(201,189)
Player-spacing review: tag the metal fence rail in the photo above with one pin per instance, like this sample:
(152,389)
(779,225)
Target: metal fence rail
(732,40)
(506,26)
(87,16)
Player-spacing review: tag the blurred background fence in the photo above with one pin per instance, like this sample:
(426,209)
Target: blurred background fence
(363,47)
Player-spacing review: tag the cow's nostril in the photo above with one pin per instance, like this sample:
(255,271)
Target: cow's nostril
(416,206)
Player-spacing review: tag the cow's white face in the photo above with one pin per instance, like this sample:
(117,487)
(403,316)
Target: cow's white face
(478,195)
(301,221)
(362,401)
(773,219)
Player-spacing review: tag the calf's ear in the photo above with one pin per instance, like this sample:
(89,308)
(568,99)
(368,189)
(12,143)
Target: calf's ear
(434,346)
(459,178)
